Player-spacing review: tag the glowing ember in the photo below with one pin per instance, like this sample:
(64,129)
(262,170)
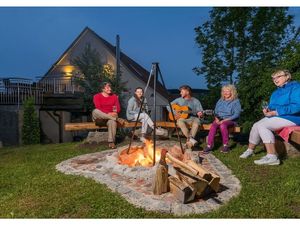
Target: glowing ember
(140,155)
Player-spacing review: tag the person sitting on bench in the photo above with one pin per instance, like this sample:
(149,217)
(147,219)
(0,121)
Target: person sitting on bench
(182,117)
(133,108)
(107,107)
(282,111)
(227,111)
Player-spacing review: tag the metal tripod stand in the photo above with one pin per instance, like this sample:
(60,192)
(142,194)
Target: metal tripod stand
(155,71)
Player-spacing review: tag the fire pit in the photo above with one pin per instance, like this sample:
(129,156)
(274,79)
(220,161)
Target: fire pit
(132,176)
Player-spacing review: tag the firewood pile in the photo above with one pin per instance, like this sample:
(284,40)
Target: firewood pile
(183,177)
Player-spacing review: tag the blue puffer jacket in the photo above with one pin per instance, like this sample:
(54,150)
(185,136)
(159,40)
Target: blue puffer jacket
(286,101)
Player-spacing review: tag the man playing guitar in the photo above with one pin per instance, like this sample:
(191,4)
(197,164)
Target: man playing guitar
(195,111)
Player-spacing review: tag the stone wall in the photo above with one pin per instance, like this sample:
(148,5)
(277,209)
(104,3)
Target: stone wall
(9,125)
(11,122)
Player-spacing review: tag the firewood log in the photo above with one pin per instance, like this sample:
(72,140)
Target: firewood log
(201,171)
(160,182)
(181,190)
(215,182)
(199,184)
(181,164)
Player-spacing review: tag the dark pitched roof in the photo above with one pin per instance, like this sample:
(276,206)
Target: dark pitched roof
(140,72)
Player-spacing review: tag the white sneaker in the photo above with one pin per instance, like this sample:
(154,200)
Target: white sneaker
(266,160)
(247,154)
(160,132)
(193,141)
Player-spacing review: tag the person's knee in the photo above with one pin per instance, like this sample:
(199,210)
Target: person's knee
(223,127)
(196,120)
(112,123)
(94,112)
(146,116)
(255,126)
(180,122)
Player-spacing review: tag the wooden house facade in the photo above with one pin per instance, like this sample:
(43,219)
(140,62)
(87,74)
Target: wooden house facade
(61,101)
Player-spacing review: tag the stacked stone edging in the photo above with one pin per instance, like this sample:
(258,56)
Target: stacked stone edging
(138,191)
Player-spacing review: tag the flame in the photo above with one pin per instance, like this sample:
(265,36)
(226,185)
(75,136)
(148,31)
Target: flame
(140,157)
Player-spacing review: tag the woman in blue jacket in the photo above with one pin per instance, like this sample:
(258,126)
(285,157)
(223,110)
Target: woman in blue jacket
(282,111)
(227,111)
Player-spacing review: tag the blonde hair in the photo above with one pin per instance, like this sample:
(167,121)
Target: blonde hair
(232,89)
(284,72)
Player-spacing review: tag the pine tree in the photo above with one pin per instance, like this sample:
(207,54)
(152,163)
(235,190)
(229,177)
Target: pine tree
(91,73)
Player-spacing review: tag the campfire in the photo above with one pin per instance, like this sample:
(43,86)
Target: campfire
(139,155)
(176,171)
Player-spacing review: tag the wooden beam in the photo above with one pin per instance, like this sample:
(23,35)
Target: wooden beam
(295,137)
(92,126)
(201,127)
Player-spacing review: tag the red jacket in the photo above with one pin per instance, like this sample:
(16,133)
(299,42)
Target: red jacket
(105,104)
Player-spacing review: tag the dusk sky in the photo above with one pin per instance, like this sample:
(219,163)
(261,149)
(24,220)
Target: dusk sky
(32,39)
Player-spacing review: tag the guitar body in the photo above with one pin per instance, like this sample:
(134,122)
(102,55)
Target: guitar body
(184,111)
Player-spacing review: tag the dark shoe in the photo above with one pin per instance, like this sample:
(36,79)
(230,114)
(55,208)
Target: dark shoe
(112,145)
(121,121)
(207,150)
(225,149)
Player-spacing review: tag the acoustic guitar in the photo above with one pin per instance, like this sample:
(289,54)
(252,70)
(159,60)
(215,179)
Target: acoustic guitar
(185,112)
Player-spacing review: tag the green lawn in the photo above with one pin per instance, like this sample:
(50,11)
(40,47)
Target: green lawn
(30,187)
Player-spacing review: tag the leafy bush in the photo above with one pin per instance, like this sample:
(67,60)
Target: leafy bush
(31,126)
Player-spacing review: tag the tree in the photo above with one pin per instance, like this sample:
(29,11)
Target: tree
(242,46)
(31,125)
(91,73)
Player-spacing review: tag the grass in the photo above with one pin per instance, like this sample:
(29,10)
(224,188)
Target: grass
(30,187)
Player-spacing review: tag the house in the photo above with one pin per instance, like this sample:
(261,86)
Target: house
(61,101)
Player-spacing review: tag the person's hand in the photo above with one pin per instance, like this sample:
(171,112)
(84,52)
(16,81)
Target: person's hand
(177,116)
(217,120)
(270,113)
(200,114)
(220,122)
(265,110)
(114,114)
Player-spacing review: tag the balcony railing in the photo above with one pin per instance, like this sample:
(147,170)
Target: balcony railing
(14,93)
(58,85)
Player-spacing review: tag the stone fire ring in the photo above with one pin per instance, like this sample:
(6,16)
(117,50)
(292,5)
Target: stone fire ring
(135,183)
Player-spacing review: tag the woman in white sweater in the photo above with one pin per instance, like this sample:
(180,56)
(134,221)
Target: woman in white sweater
(133,108)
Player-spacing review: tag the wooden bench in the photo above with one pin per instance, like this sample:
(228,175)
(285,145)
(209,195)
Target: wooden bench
(93,126)
(290,148)
(295,137)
